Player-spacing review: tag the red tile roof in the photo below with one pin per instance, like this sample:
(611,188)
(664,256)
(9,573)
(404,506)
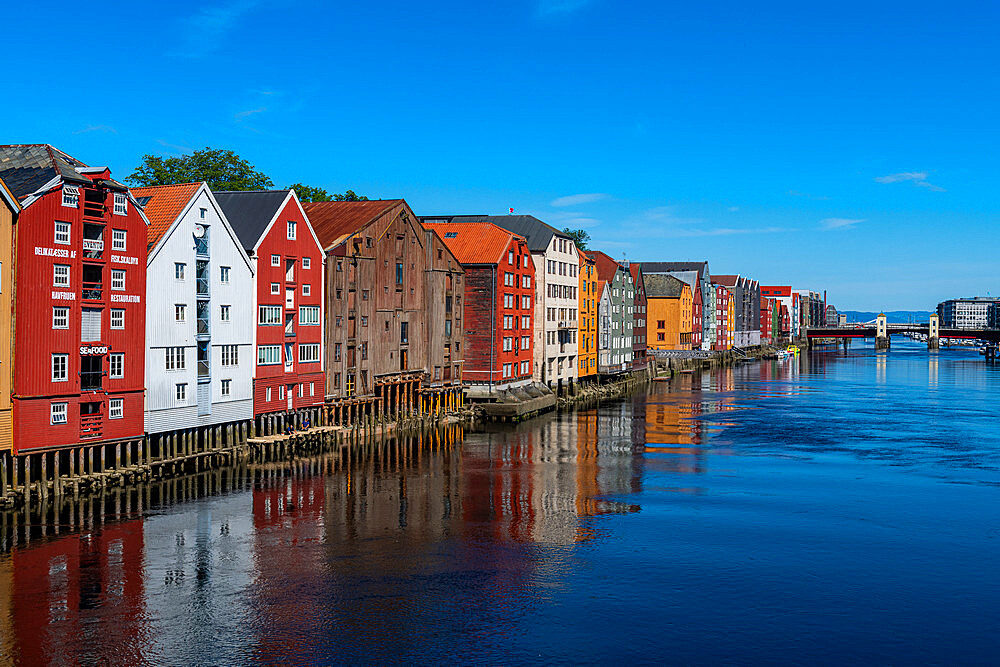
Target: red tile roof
(606,267)
(334,220)
(165,204)
(474,242)
(727,280)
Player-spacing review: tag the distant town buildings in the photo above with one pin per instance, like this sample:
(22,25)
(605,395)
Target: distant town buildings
(968,313)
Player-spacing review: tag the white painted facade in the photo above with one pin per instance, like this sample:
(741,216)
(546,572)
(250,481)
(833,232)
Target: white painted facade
(225,393)
(557,285)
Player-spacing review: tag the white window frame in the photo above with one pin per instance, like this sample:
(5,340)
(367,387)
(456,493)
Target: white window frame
(269,355)
(119,235)
(174,359)
(120,358)
(63,368)
(291,228)
(58,413)
(71,196)
(269,316)
(230,355)
(179,270)
(306,263)
(120,312)
(224,272)
(275,288)
(180,392)
(116,408)
(226,387)
(118,277)
(267,394)
(180,312)
(225,313)
(60,313)
(313,353)
(306,289)
(309,315)
(56,274)
(121,204)
(62,233)
(275,260)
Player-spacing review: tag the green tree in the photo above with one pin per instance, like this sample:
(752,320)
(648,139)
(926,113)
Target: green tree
(349,196)
(309,193)
(221,169)
(579,236)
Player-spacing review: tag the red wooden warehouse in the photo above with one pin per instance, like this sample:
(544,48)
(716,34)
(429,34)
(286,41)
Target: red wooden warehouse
(79,312)
(288,262)
(499,302)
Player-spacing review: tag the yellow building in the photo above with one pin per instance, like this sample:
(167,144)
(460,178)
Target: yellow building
(668,312)
(9,209)
(587,338)
(731,324)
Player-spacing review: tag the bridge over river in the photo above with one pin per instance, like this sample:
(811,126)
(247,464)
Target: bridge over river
(882,332)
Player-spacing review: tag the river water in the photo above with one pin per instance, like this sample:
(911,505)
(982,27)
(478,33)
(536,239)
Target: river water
(828,509)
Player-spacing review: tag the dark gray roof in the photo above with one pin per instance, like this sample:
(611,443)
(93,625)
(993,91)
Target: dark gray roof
(537,233)
(250,211)
(667,267)
(27,167)
(661,285)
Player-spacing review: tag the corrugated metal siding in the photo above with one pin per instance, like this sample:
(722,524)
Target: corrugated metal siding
(6,332)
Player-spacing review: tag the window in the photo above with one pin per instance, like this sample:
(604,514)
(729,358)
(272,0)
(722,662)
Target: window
(312,388)
(399,273)
(364,320)
(308,353)
(267,394)
(269,315)
(117,279)
(202,212)
(281,392)
(60,275)
(119,239)
(60,371)
(306,263)
(121,204)
(60,318)
(268,355)
(62,233)
(179,270)
(510,256)
(57,411)
(230,355)
(71,198)
(180,310)
(116,408)
(404,332)
(227,387)
(117,365)
(660,336)
(224,272)
(291,230)
(364,295)
(275,288)
(306,290)
(174,358)
(275,260)
(180,391)
(309,315)
(117,318)
(224,313)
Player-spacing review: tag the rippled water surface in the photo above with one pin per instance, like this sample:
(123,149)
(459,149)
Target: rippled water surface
(828,509)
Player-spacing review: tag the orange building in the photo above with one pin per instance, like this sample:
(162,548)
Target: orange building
(8,213)
(587,338)
(668,312)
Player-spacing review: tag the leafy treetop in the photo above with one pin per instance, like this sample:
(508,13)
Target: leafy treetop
(221,169)
(309,193)
(579,236)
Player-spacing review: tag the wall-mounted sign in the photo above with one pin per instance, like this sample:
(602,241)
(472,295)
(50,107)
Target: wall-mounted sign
(122,259)
(51,252)
(124,298)
(93,349)
(64,296)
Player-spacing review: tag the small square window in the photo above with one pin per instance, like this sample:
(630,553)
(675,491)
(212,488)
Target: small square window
(306,290)
(118,239)
(60,318)
(62,233)
(57,413)
(275,288)
(116,408)
(121,204)
(306,263)
(117,318)
(275,260)
(60,275)
(71,196)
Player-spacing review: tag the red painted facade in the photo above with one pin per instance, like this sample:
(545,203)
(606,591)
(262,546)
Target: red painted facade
(638,318)
(766,319)
(289,384)
(697,326)
(67,258)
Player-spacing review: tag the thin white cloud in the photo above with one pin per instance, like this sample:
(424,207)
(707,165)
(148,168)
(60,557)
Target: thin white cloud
(576,223)
(203,31)
(552,7)
(840,223)
(576,200)
(97,128)
(729,231)
(733,209)
(249,112)
(918,178)
(179,149)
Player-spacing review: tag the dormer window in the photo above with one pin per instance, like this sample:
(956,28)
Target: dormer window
(121,204)
(71,196)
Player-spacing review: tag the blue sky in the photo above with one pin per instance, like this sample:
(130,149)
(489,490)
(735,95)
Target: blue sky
(849,147)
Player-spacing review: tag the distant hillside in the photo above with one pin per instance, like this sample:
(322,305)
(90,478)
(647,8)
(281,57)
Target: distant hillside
(893,316)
